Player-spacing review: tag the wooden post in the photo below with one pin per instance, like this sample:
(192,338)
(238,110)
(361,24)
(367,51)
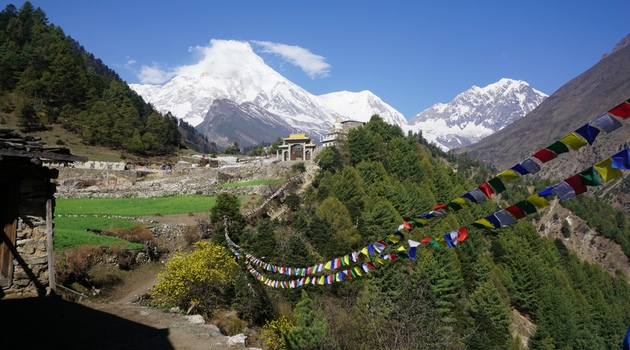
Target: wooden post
(49,242)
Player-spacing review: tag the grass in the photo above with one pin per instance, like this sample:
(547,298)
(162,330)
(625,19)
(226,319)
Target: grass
(134,206)
(71,232)
(254,183)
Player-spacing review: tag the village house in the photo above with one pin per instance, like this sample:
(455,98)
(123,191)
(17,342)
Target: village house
(339,132)
(26,213)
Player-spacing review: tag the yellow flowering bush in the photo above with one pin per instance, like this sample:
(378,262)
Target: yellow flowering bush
(200,276)
(271,333)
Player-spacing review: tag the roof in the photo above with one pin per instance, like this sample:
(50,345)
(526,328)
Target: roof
(13,144)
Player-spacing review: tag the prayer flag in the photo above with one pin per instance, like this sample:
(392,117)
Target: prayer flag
(607,123)
(425,240)
(497,185)
(370,265)
(589,177)
(357,271)
(622,110)
(544,155)
(539,202)
(405,225)
(437,213)
(440,206)
(381,261)
(558,148)
(393,238)
(401,249)
(441,241)
(399,234)
(484,222)
(589,133)
(530,165)
(379,246)
(575,182)
(563,190)
(413,246)
(493,220)
(454,206)
(461,201)
(470,197)
(520,169)
(509,175)
(526,206)
(607,171)
(479,196)
(486,189)
(621,160)
(451,238)
(365,251)
(462,233)
(546,192)
(504,218)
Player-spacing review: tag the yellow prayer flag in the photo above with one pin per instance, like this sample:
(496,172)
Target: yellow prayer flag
(574,141)
(484,222)
(423,221)
(509,175)
(440,240)
(401,249)
(539,202)
(327,265)
(381,261)
(346,259)
(357,270)
(393,238)
(365,251)
(606,170)
(321,280)
(460,201)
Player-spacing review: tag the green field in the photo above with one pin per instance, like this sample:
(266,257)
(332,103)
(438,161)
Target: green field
(134,206)
(71,232)
(254,183)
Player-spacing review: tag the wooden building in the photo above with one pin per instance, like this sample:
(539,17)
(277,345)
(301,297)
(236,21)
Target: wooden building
(26,213)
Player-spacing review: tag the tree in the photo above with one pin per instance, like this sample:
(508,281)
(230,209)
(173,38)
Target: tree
(566,229)
(311,331)
(227,204)
(292,201)
(25,112)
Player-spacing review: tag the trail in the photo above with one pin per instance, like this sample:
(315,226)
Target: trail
(308,179)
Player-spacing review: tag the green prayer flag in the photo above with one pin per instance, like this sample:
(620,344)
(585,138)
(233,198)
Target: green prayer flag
(454,206)
(589,177)
(526,206)
(497,185)
(558,148)
(478,225)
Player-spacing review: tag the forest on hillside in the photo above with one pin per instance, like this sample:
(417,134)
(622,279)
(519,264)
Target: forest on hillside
(460,298)
(47,78)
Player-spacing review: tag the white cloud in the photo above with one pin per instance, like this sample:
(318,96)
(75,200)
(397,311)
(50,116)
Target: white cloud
(154,75)
(313,65)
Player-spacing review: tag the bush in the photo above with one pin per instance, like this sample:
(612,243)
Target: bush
(298,168)
(272,332)
(75,267)
(137,233)
(202,277)
(566,229)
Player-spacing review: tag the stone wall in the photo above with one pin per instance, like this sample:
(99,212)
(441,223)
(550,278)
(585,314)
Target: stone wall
(30,266)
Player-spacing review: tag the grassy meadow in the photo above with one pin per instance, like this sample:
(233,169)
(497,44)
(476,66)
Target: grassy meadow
(71,231)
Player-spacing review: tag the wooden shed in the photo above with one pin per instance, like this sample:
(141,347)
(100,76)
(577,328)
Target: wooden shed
(26,213)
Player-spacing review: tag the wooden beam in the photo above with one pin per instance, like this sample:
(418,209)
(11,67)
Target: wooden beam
(49,244)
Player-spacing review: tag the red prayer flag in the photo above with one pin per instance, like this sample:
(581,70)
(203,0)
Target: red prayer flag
(575,182)
(462,233)
(370,265)
(425,240)
(544,155)
(486,189)
(406,225)
(441,206)
(392,256)
(621,111)
(516,211)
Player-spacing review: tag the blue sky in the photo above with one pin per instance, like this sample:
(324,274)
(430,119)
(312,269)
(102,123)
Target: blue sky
(412,54)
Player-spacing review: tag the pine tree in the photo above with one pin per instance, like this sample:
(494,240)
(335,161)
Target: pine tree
(311,331)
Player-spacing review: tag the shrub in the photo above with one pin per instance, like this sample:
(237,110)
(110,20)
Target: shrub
(272,332)
(75,267)
(191,235)
(201,276)
(60,142)
(137,233)
(298,168)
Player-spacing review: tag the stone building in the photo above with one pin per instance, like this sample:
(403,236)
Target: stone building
(26,213)
(296,147)
(339,132)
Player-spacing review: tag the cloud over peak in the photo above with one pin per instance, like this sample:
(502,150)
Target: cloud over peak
(313,65)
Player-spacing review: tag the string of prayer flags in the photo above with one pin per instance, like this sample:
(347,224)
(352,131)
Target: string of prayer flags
(622,110)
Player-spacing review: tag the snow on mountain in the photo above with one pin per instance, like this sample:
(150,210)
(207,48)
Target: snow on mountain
(361,106)
(476,113)
(231,70)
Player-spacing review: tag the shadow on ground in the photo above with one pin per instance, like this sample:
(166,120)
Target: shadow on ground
(53,323)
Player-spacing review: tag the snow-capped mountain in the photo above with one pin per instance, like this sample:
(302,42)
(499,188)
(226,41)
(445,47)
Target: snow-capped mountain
(476,113)
(361,106)
(231,70)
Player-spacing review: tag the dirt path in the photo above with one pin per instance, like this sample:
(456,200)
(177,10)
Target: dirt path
(308,179)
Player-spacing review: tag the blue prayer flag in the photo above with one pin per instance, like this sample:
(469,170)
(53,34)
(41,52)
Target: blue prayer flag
(588,132)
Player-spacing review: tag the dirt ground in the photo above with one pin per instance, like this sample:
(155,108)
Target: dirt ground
(185,219)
